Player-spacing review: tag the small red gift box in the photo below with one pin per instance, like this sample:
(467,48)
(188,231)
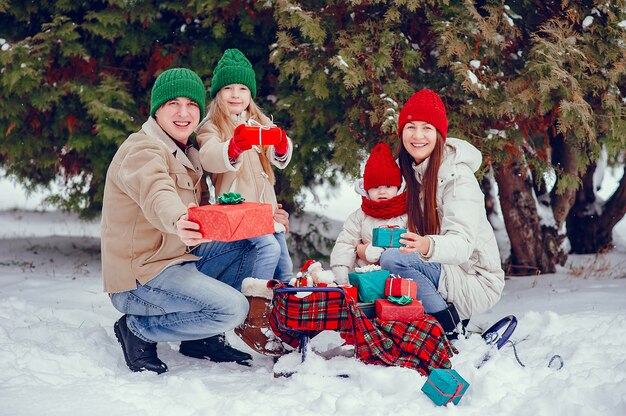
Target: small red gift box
(351,291)
(389,311)
(233,222)
(399,286)
(263,136)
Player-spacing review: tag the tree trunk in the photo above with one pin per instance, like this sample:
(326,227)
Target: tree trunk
(590,230)
(529,253)
(490,203)
(563,159)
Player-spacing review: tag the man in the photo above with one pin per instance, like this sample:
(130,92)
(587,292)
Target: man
(170,284)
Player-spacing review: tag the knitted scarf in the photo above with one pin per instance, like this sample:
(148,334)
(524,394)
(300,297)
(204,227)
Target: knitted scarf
(385,209)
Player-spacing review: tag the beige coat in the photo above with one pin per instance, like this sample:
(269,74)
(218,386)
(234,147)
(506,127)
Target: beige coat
(149,184)
(472,277)
(246,176)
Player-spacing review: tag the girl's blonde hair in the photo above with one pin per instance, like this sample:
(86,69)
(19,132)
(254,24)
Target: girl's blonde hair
(219,115)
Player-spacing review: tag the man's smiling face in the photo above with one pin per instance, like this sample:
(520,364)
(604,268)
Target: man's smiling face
(178,118)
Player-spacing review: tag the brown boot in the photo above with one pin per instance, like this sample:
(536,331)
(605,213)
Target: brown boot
(255,330)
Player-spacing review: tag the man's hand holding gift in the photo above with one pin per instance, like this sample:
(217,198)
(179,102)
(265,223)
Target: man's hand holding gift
(189,231)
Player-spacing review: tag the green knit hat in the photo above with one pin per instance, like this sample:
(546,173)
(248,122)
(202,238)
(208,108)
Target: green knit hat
(177,82)
(233,68)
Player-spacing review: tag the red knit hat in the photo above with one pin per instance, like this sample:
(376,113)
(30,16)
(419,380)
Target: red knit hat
(424,105)
(381,168)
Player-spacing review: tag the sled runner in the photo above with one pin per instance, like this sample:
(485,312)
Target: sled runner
(497,339)
(303,312)
(492,335)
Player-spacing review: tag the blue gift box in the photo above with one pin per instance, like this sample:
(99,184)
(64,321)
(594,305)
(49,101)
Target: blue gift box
(388,237)
(370,285)
(444,386)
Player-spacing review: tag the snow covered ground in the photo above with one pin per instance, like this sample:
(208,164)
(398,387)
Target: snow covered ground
(58,354)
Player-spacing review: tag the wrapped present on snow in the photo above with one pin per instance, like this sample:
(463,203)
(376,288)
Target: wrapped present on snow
(387,236)
(232,219)
(445,386)
(390,311)
(370,282)
(399,286)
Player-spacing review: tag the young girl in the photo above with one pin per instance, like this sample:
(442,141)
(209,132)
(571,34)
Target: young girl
(450,249)
(237,165)
(382,204)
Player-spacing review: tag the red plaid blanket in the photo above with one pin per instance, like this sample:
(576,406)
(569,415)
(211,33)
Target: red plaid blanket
(317,311)
(421,345)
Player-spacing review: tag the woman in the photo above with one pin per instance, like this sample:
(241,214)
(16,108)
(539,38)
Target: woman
(450,247)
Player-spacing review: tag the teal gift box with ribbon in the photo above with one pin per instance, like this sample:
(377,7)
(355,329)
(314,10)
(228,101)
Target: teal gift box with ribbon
(445,386)
(387,236)
(370,282)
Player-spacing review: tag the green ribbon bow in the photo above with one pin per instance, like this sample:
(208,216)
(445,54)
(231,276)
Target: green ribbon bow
(230,198)
(400,300)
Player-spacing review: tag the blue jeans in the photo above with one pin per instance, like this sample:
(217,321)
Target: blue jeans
(192,300)
(272,258)
(426,274)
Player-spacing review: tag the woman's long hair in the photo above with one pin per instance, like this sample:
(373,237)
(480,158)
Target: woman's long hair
(220,116)
(422,218)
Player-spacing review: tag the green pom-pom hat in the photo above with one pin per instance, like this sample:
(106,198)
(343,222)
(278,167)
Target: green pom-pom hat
(177,82)
(233,68)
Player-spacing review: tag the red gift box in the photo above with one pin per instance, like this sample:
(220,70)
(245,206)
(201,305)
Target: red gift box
(351,291)
(389,311)
(263,136)
(399,286)
(233,222)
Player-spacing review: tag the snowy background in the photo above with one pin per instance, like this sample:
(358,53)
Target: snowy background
(58,354)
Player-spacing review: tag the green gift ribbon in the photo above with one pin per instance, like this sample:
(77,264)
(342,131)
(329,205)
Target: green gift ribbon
(400,300)
(230,198)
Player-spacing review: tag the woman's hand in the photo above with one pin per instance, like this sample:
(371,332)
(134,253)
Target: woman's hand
(282,217)
(189,231)
(414,243)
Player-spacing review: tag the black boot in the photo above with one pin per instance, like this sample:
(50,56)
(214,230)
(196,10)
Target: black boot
(139,354)
(214,348)
(449,320)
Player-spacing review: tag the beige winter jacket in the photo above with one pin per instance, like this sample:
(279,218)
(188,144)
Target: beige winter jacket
(472,277)
(149,184)
(246,175)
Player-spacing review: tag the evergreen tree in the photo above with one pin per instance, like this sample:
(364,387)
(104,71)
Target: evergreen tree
(76,79)
(537,86)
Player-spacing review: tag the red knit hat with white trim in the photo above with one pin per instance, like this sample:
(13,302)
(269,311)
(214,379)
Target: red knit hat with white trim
(424,105)
(381,169)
